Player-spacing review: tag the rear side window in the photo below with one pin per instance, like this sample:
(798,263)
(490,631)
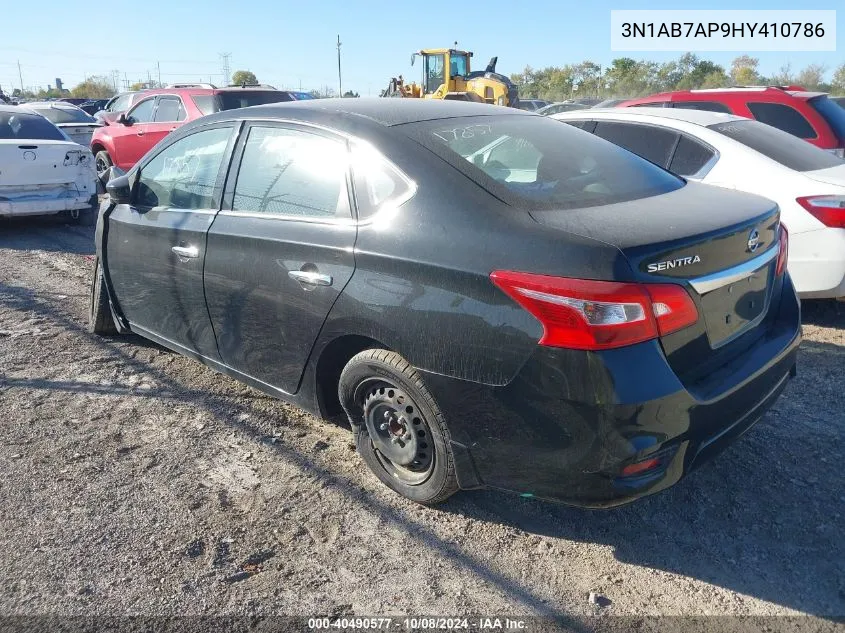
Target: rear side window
(652,143)
(710,106)
(537,163)
(23,126)
(690,156)
(378,183)
(587,126)
(833,113)
(783,117)
(293,173)
(169,109)
(781,147)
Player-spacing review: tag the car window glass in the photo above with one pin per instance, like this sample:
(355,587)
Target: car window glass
(776,144)
(66,115)
(587,126)
(290,172)
(121,104)
(710,106)
(143,112)
(377,182)
(205,103)
(652,143)
(652,104)
(25,126)
(537,163)
(184,175)
(690,156)
(783,117)
(169,109)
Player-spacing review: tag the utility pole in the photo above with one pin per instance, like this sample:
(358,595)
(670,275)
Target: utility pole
(339,78)
(158,65)
(224,57)
(20,75)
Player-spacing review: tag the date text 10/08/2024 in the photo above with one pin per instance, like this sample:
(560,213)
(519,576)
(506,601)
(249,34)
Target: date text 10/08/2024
(414,624)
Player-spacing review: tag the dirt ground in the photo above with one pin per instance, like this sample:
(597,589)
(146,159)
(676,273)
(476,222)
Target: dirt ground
(138,481)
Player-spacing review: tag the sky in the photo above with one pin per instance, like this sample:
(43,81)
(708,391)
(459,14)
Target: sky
(293,44)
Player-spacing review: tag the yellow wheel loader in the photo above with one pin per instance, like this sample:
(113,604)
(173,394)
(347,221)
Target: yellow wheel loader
(447,75)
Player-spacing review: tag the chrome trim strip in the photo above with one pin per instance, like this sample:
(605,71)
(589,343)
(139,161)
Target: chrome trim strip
(713,281)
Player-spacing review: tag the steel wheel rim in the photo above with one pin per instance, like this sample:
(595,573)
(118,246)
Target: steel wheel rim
(399,433)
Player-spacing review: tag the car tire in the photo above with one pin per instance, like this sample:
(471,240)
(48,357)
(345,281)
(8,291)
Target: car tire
(100,319)
(399,429)
(102,163)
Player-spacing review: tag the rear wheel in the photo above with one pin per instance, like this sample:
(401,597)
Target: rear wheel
(398,427)
(103,162)
(100,319)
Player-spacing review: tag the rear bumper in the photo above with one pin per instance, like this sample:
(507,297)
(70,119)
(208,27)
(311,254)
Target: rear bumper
(817,263)
(565,427)
(44,206)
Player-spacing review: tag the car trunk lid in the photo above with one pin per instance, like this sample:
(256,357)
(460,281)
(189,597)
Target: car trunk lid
(39,162)
(79,132)
(721,245)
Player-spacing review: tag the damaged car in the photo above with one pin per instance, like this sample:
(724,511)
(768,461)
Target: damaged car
(43,172)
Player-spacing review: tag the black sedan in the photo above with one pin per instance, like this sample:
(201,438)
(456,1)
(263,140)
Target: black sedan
(491,298)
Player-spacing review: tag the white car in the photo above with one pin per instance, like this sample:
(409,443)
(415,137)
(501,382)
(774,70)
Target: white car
(77,124)
(725,150)
(42,172)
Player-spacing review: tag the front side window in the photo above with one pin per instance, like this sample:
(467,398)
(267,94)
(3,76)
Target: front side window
(434,73)
(783,117)
(184,175)
(652,143)
(778,145)
(142,113)
(169,109)
(458,65)
(537,163)
(292,173)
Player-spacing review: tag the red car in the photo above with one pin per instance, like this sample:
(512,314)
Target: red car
(160,111)
(807,115)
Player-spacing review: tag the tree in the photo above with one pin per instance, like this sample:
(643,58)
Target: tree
(244,77)
(838,82)
(812,77)
(17,93)
(783,77)
(350,94)
(93,88)
(744,70)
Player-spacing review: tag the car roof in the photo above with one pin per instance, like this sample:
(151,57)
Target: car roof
(696,117)
(52,104)
(385,111)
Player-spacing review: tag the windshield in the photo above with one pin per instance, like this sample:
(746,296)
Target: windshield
(782,147)
(232,100)
(23,126)
(537,163)
(833,113)
(65,115)
(458,65)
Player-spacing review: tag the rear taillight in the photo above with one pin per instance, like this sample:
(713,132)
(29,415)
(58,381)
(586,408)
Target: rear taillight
(783,250)
(829,210)
(586,314)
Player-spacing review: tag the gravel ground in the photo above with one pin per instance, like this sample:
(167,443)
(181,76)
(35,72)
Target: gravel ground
(138,481)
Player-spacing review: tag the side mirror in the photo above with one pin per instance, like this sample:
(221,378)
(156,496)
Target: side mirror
(123,119)
(120,189)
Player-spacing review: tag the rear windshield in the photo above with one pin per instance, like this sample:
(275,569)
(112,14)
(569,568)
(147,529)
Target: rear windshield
(23,126)
(232,100)
(537,163)
(782,147)
(66,115)
(833,113)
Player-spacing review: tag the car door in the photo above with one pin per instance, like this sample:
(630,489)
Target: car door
(129,137)
(168,116)
(281,249)
(156,246)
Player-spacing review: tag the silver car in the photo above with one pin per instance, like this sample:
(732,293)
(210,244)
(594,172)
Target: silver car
(77,124)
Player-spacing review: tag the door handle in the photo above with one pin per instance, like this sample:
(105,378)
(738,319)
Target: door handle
(186,251)
(310,277)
